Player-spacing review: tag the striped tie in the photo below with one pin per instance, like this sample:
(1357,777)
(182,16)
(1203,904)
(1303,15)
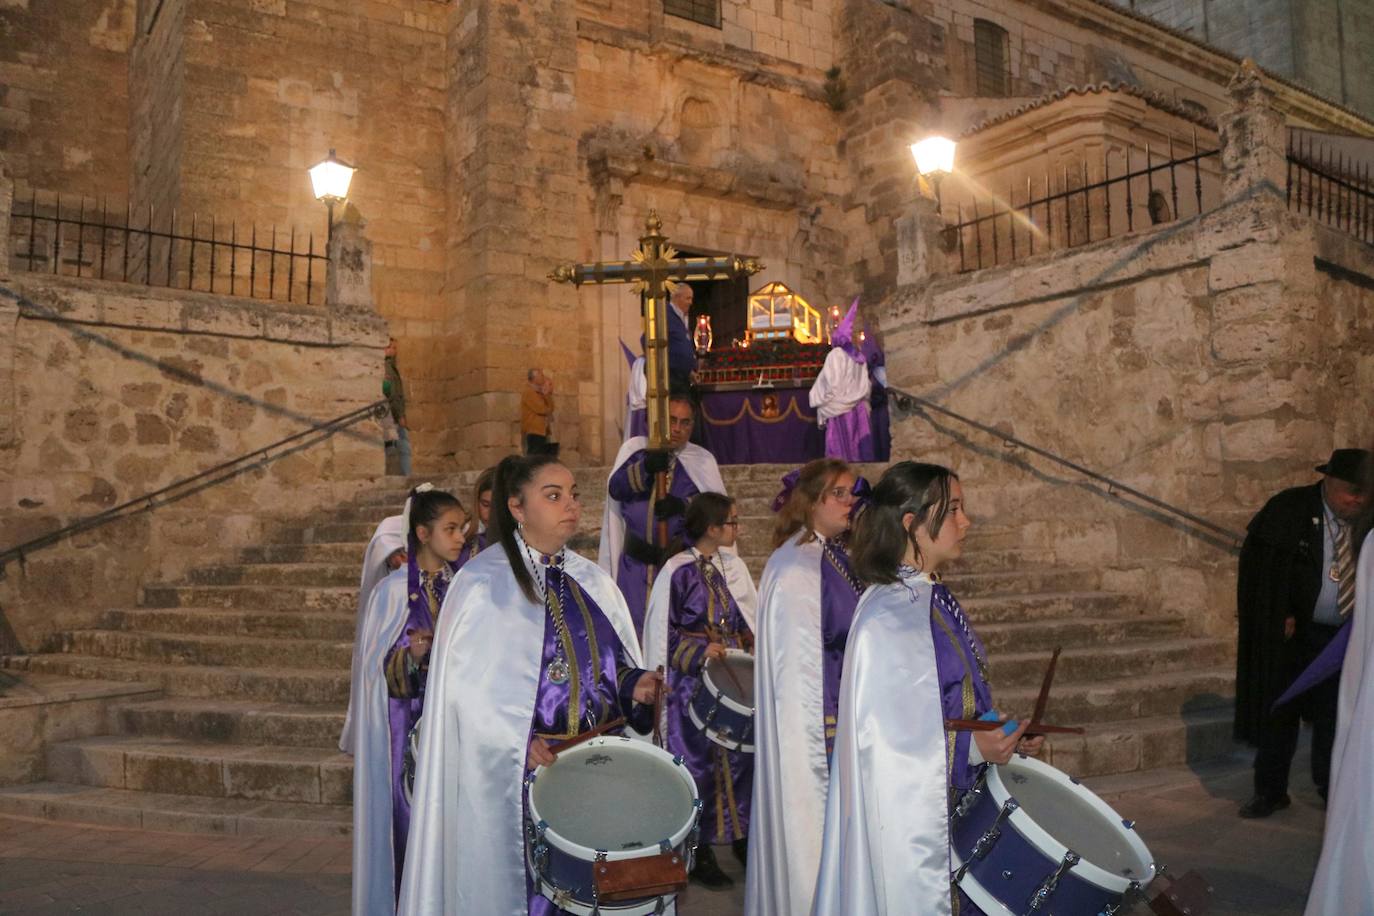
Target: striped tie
(1345,567)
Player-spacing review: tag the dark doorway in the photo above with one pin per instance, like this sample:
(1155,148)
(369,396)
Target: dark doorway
(725,302)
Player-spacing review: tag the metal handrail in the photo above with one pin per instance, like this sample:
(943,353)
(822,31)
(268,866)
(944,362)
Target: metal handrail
(197,482)
(908,401)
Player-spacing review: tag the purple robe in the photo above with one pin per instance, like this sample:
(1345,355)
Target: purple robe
(599,673)
(406,693)
(633,488)
(639,423)
(701,604)
(964,689)
(840,591)
(849,436)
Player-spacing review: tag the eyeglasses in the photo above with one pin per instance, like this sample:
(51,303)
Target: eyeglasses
(734,522)
(840,493)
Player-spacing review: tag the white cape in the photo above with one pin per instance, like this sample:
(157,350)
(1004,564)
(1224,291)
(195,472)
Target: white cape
(466,853)
(637,396)
(737,579)
(1344,882)
(374,868)
(790,769)
(700,466)
(389,537)
(842,385)
(886,847)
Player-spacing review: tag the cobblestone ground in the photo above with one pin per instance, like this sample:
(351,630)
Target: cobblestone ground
(1258,868)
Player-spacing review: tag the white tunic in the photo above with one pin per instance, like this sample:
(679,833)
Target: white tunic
(1344,882)
(465,853)
(790,769)
(842,385)
(389,537)
(886,847)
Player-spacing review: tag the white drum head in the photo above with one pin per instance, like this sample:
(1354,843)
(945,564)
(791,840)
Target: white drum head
(740,688)
(613,794)
(1057,813)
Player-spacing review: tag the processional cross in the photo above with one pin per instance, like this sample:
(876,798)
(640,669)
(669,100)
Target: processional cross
(655,268)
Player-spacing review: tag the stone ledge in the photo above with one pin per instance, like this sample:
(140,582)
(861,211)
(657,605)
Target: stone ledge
(102,302)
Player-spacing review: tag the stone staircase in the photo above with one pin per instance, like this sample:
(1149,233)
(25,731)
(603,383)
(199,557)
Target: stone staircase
(251,658)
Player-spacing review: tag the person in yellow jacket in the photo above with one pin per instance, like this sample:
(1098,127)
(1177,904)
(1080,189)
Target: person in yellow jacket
(536,414)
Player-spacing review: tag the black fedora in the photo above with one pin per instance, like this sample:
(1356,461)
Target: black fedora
(1348,464)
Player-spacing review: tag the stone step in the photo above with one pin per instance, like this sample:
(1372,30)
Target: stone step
(305,553)
(1034,579)
(1045,635)
(234,721)
(220,651)
(1141,697)
(1094,663)
(262,597)
(272,685)
(318,531)
(1110,748)
(149,764)
(331,574)
(1011,608)
(182,813)
(336,626)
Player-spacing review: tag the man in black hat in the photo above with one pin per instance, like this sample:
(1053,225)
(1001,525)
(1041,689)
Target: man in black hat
(1296,587)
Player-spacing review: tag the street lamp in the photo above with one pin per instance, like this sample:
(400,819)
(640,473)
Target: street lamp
(934,160)
(330,180)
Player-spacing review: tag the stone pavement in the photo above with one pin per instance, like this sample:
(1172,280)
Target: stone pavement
(1188,819)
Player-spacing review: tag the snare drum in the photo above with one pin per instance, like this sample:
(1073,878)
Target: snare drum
(409,760)
(607,799)
(722,706)
(1029,839)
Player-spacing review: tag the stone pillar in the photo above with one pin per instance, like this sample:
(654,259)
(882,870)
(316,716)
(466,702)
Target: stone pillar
(515,191)
(1254,137)
(921,249)
(348,287)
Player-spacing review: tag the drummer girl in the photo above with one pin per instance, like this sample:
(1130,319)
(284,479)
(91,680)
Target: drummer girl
(694,616)
(807,594)
(913,662)
(394,658)
(535,646)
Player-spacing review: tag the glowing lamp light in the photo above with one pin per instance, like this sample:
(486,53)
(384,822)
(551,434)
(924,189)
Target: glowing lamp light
(702,336)
(330,179)
(934,155)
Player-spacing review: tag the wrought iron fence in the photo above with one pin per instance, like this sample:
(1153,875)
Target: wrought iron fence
(55,236)
(788,373)
(1132,189)
(1334,189)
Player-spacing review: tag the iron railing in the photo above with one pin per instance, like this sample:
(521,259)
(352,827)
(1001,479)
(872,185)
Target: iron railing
(187,486)
(798,373)
(147,248)
(1334,189)
(1071,209)
(1211,531)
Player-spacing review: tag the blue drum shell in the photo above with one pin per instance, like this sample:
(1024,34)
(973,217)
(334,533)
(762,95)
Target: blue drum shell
(569,873)
(714,715)
(1014,868)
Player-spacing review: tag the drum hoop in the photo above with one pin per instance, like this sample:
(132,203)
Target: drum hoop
(726,700)
(586,853)
(712,732)
(1052,848)
(989,904)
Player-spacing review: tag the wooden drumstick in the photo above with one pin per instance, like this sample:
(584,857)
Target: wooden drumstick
(571,743)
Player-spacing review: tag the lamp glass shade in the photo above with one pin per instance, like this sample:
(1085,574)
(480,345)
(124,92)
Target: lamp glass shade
(330,179)
(933,155)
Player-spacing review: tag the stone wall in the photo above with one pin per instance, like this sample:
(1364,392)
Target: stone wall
(1195,362)
(119,390)
(55,131)
(157,84)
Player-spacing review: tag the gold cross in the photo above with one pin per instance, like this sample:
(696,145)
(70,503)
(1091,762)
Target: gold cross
(655,269)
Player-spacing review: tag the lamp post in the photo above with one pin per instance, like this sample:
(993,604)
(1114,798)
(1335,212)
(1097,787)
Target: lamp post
(934,160)
(330,179)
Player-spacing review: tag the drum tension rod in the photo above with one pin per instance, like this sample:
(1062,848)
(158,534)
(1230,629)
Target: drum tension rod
(987,840)
(1050,884)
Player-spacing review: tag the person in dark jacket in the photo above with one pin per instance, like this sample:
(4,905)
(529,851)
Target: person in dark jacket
(1295,587)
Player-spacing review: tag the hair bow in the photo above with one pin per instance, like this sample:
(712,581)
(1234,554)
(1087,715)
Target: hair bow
(863,497)
(789,483)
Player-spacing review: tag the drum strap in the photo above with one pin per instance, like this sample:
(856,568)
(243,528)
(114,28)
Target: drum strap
(969,697)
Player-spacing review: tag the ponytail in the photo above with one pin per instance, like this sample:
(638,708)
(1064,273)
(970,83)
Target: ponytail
(512,475)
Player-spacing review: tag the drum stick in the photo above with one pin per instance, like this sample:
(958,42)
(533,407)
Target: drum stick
(571,743)
(1043,700)
(987,725)
(659,690)
(734,679)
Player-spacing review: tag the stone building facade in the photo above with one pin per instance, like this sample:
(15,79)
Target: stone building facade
(497,137)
